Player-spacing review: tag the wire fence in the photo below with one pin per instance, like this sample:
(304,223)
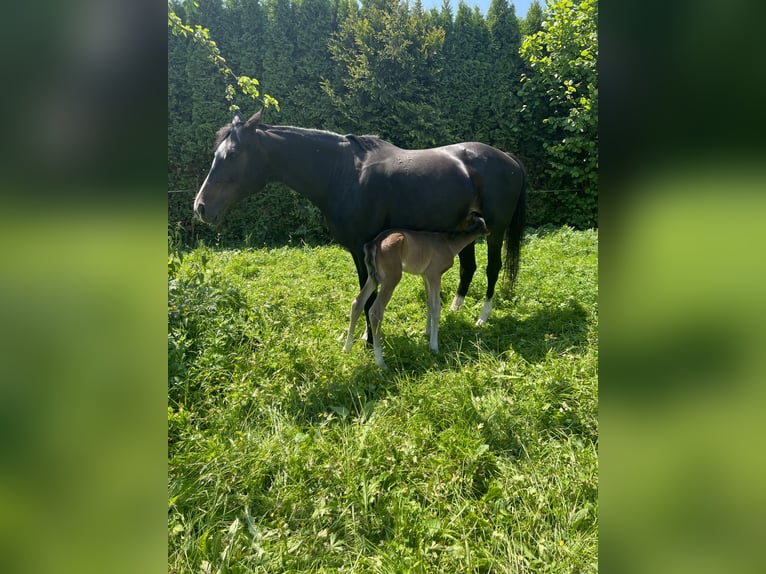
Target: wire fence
(530,191)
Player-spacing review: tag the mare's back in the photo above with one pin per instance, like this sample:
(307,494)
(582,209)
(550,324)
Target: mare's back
(415,189)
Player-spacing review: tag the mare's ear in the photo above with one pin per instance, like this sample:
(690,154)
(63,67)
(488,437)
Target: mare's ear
(237,119)
(255,120)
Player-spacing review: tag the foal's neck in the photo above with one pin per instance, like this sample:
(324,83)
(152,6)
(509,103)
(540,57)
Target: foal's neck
(458,243)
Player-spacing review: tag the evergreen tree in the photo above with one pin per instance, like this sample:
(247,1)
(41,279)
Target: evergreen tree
(179,112)
(209,107)
(444,17)
(563,85)
(463,86)
(278,47)
(315,22)
(503,82)
(242,41)
(533,22)
(386,55)
(503,26)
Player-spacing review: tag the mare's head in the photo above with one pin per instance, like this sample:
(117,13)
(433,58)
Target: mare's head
(237,170)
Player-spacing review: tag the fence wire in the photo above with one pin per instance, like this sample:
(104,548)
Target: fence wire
(530,191)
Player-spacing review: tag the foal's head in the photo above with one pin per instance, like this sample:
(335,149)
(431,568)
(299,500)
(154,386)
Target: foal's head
(473,223)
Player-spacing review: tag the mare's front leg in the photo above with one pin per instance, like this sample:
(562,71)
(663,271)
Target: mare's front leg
(467,269)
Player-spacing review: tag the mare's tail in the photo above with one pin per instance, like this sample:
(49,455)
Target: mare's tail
(515,232)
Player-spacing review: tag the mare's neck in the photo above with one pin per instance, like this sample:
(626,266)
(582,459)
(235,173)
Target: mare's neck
(304,160)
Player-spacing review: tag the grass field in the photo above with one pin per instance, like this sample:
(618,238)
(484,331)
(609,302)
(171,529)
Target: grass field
(287,455)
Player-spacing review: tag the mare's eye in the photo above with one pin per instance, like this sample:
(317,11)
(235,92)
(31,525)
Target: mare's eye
(232,154)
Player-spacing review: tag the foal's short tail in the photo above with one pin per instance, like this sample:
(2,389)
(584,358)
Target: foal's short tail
(369,261)
(515,232)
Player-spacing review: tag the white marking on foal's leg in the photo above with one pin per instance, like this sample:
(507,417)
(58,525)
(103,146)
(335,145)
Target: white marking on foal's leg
(379,358)
(349,341)
(428,305)
(457,303)
(434,310)
(485,311)
(434,331)
(434,342)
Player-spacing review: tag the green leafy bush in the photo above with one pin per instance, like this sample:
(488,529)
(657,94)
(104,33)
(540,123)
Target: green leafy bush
(275,216)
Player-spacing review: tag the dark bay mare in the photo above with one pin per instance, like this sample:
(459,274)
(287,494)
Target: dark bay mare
(364,185)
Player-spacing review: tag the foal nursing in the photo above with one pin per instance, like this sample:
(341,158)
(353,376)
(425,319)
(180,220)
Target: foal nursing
(424,253)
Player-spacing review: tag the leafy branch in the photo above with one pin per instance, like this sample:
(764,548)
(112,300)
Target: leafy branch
(201,35)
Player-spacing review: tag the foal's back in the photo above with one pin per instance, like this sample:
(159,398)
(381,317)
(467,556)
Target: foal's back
(417,251)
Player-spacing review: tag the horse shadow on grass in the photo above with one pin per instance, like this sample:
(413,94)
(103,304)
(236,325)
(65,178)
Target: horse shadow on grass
(560,329)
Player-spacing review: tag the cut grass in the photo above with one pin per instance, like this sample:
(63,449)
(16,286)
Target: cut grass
(287,455)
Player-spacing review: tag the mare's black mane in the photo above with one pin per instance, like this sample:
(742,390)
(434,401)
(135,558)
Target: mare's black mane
(367,143)
(221,135)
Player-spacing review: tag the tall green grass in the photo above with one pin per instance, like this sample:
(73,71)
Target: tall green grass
(287,455)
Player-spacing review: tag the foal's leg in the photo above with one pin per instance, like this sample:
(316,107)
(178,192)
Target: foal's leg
(368,332)
(356,309)
(467,269)
(428,305)
(376,318)
(434,309)
(494,264)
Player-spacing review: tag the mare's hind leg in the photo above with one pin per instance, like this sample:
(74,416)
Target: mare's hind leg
(494,264)
(467,269)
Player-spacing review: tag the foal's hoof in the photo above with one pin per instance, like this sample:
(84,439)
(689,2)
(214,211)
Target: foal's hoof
(480,322)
